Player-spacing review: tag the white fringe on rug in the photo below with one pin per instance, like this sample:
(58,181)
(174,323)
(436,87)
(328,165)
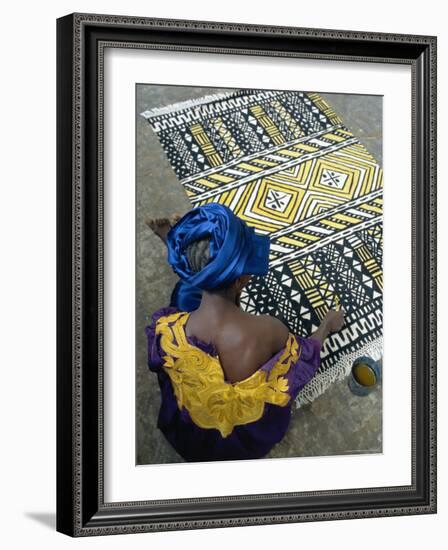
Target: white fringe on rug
(173,107)
(320,383)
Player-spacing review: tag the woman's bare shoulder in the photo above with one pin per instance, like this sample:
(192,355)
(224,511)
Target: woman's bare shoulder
(264,320)
(271,328)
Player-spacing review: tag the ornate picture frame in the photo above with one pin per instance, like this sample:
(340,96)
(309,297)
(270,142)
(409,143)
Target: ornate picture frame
(81,42)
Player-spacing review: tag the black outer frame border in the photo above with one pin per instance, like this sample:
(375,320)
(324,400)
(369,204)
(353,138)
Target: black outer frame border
(81,510)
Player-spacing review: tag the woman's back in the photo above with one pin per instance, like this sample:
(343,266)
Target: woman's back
(244,342)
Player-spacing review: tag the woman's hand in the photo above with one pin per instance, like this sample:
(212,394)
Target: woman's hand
(334,320)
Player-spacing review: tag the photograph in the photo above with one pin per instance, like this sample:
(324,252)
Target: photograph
(259,273)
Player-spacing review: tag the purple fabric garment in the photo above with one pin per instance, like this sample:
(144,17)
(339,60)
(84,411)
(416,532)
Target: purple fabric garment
(247,441)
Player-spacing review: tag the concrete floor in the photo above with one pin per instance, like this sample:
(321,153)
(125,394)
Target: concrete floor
(336,423)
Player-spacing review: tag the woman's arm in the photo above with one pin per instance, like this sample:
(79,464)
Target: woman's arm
(332,322)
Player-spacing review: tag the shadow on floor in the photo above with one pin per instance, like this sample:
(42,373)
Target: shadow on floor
(48,519)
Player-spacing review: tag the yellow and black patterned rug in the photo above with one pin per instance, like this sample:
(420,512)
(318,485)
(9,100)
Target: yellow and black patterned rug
(284,162)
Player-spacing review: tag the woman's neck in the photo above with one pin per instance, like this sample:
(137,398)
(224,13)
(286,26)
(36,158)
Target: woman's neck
(218,300)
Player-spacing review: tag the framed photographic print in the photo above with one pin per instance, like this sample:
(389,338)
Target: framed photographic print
(246,274)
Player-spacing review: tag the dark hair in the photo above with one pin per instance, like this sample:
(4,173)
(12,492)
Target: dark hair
(198,256)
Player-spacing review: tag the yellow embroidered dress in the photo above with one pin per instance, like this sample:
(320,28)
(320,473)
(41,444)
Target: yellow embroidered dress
(205,417)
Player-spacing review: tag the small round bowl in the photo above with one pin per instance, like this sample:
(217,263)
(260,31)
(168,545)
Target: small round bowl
(364,376)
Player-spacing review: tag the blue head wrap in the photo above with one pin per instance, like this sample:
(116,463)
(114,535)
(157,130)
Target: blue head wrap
(235,248)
